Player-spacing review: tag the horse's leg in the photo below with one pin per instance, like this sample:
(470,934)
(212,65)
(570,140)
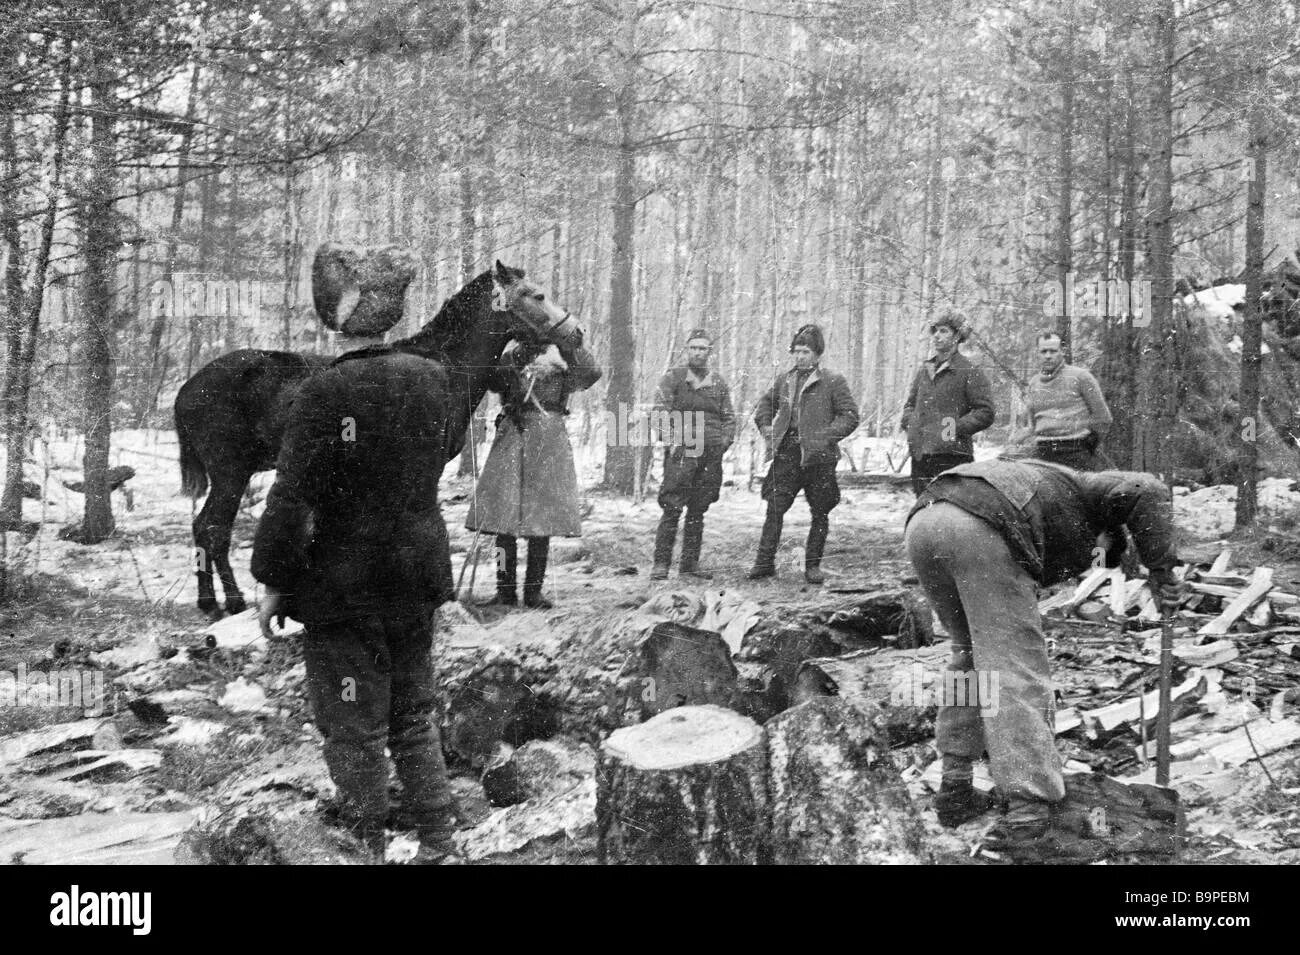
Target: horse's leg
(215,522)
(203,559)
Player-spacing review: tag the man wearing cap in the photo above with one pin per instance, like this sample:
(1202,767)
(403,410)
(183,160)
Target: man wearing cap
(950,401)
(353,545)
(695,404)
(1067,410)
(803,416)
(982,537)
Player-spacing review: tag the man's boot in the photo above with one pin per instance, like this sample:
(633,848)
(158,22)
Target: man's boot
(958,800)
(507,564)
(765,562)
(665,537)
(692,542)
(535,574)
(817,531)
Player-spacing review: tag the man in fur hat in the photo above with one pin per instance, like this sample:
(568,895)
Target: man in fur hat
(353,545)
(529,487)
(803,417)
(696,403)
(950,401)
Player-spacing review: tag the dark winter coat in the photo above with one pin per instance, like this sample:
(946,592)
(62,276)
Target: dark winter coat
(352,525)
(946,406)
(1051,516)
(529,487)
(711,400)
(827,414)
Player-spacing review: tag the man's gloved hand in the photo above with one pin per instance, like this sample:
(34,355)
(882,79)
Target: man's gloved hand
(1168,590)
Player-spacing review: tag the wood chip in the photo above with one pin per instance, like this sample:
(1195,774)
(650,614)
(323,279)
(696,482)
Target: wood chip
(1260,584)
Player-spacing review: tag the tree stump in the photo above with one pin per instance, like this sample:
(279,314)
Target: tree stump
(687,787)
(1106,818)
(360,291)
(685,666)
(836,794)
(902,682)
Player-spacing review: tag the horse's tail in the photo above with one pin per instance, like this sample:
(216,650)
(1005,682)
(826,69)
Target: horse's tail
(194,476)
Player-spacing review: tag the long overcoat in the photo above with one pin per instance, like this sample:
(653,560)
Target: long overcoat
(529,487)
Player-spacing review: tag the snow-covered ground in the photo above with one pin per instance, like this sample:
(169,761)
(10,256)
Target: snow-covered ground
(151,556)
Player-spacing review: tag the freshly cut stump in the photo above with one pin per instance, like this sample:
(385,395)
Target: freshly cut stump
(687,787)
(836,793)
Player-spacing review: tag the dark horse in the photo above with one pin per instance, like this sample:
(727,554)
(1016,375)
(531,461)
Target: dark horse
(231,415)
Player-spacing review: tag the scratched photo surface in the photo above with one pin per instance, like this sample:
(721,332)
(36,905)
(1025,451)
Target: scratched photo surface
(508,432)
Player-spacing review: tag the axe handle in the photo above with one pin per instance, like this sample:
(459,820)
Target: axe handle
(1164,718)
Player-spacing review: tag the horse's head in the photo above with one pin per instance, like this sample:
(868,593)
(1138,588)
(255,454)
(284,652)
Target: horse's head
(531,314)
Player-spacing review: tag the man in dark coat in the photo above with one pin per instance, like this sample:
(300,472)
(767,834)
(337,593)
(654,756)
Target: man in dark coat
(529,487)
(950,401)
(353,545)
(803,416)
(701,424)
(982,537)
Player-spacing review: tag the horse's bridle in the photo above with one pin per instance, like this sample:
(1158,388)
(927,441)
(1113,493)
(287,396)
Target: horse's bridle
(555,330)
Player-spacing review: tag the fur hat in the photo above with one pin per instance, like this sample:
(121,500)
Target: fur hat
(810,335)
(360,291)
(955,319)
(699,333)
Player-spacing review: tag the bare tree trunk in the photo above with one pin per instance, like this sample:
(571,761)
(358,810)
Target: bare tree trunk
(157,358)
(100,253)
(620,457)
(1252,324)
(1064,221)
(1119,368)
(1162,391)
(21,359)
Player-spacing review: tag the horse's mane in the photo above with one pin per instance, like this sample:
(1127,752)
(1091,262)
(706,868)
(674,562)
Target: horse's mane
(452,322)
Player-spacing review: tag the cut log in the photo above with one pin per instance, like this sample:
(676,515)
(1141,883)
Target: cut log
(892,618)
(1105,818)
(684,666)
(360,291)
(836,795)
(1260,584)
(1220,565)
(687,787)
(1093,610)
(901,683)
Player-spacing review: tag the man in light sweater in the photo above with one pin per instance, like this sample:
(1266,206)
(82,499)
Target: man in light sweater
(1067,411)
